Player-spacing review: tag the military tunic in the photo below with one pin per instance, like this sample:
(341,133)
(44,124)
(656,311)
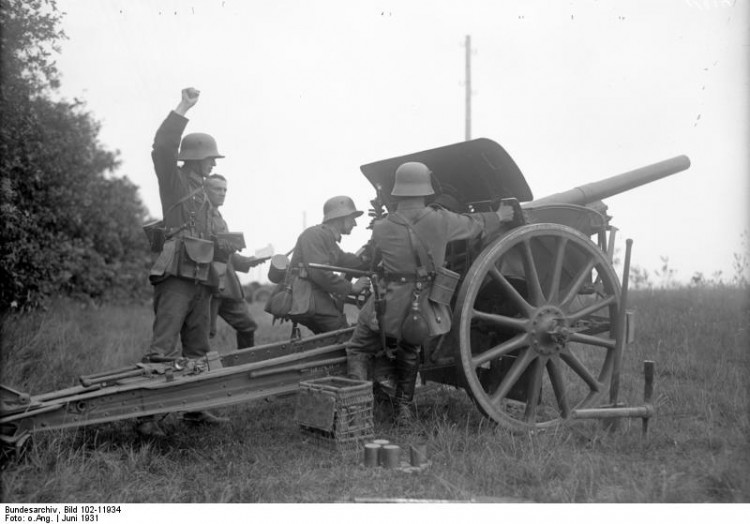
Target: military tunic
(435,228)
(317,295)
(228,300)
(181,306)
(175,183)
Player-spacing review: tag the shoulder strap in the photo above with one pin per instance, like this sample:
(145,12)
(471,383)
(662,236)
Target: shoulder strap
(424,257)
(183,200)
(188,224)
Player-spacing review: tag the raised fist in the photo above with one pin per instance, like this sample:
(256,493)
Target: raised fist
(190,96)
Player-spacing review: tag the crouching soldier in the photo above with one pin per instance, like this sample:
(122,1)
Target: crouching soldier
(409,244)
(318,295)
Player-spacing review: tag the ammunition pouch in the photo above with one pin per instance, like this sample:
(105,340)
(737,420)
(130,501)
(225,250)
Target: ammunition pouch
(443,286)
(156,234)
(303,303)
(195,258)
(185,257)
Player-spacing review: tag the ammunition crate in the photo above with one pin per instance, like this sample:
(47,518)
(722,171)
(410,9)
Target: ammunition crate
(336,412)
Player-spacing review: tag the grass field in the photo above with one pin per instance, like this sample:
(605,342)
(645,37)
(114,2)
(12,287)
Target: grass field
(698,449)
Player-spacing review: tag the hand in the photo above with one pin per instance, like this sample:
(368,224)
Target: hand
(365,253)
(505,213)
(190,96)
(598,206)
(255,261)
(360,285)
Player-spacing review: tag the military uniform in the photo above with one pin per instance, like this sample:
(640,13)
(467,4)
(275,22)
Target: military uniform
(228,300)
(317,295)
(181,305)
(394,247)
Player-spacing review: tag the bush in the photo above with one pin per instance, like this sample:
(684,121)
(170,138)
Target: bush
(69,226)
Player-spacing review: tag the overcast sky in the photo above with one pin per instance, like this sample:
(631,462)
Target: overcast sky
(299,94)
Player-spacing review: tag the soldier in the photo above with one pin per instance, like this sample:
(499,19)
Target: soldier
(410,245)
(228,300)
(318,295)
(182,289)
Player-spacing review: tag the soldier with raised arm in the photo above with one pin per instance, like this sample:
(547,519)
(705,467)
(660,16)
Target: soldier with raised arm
(180,275)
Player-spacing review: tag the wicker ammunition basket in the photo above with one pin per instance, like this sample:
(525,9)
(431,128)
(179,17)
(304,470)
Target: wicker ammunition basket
(336,412)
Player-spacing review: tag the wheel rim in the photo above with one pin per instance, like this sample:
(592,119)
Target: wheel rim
(536,326)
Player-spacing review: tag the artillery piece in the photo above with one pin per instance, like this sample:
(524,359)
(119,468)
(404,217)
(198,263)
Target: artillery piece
(540,320)
(537,338)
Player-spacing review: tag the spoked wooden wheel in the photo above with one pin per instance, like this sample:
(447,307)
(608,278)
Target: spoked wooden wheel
(536,326)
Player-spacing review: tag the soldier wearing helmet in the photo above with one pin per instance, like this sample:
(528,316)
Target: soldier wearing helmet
(318,295)
(409,247)
(182,290)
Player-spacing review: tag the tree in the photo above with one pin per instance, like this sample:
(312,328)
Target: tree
(68,224)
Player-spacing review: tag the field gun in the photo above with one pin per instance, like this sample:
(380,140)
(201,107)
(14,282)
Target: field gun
(540,316)
(539,319)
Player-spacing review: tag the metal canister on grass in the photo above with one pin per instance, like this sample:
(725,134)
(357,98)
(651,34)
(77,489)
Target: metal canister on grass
(381,454)
(371,454)
(392,456)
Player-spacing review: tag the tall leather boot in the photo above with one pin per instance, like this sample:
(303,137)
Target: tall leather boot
(245,339)
(356,367)
(384,379)
(407,368)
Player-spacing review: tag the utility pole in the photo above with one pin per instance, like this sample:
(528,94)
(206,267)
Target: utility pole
(468,87)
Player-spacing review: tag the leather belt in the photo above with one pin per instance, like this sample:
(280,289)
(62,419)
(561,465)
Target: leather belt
(406,277)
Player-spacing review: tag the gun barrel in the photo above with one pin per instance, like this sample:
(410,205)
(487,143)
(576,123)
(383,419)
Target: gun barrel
(615,185)
(352,272)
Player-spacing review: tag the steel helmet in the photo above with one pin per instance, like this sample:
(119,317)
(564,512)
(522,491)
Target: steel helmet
(339,206)
(197,146)
(413,179)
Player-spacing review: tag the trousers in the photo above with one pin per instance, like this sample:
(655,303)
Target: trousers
(321,323)
(235,313)
(181,311)
(365,360)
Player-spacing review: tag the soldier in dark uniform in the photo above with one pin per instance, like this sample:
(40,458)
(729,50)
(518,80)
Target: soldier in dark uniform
(182,290)
(401,242)
(228,301)
(318,295)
